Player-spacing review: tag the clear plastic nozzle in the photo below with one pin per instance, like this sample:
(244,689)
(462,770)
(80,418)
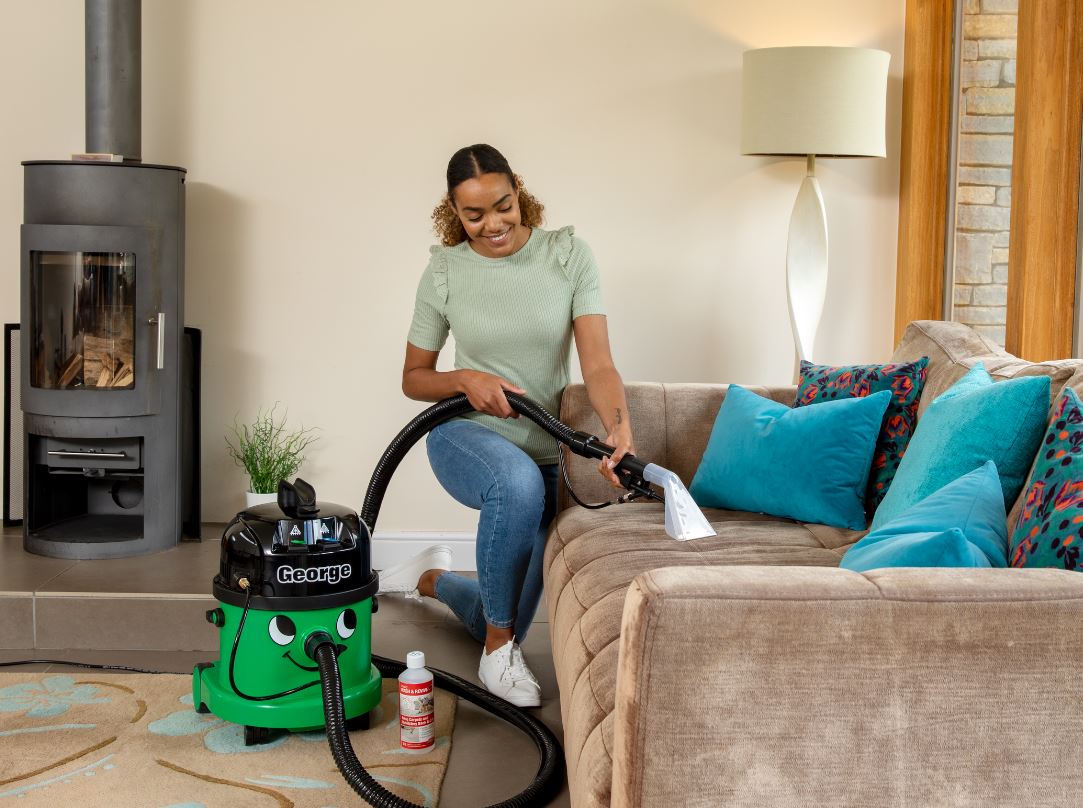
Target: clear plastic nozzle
(684,519)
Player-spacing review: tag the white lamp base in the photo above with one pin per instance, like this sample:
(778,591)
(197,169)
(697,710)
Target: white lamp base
(806,263)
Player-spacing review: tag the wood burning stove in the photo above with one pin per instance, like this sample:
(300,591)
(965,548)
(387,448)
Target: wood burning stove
(108,377)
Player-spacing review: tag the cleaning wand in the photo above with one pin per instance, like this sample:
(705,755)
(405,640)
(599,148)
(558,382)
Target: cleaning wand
(683,518)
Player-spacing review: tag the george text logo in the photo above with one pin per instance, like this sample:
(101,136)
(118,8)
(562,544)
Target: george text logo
(310,575)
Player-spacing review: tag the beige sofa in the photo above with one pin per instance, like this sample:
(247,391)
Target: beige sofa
(748,670)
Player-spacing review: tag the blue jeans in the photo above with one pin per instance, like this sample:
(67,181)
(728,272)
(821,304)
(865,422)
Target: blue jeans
(517,500)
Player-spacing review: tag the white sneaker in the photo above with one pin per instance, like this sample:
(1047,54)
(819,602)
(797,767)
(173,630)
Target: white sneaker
(403,577)
(505,674)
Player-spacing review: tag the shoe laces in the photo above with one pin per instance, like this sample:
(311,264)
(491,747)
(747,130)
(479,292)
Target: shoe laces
(517,670)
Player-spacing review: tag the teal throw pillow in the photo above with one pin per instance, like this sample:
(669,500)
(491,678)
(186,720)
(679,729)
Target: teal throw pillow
(1049,532)
(974,421)
(905,380)
(961,525)
(810,463)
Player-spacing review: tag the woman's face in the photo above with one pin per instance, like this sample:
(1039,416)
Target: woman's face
(489,209)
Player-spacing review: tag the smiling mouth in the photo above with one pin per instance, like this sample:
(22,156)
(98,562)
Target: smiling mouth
(315,668)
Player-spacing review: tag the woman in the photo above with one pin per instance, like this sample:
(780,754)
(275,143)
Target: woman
(512,295)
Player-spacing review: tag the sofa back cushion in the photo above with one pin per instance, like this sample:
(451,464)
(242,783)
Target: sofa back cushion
(954,348)
(646,409)
(690,413)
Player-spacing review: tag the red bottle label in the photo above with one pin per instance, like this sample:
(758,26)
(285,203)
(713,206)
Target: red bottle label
(416,719)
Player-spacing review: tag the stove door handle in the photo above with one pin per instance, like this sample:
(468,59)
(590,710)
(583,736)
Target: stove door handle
(160,322)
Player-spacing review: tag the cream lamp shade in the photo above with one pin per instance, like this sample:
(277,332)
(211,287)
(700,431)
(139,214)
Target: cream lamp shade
(809,101)
(825,101)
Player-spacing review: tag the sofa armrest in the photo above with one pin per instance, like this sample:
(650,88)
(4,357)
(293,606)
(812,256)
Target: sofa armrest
(766,686)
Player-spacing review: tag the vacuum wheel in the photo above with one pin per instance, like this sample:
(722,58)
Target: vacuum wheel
(361,722)
(257,735)
(202,708)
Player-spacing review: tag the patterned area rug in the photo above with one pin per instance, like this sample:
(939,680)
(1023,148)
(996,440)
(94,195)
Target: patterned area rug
(100,739)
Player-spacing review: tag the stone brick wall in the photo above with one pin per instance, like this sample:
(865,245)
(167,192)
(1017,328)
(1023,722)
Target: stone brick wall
(983,191)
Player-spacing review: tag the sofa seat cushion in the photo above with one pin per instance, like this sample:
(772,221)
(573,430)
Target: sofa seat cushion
(615,544)
(591,559)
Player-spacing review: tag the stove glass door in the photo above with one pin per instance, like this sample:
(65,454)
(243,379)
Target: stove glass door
(82,319)
(92,316)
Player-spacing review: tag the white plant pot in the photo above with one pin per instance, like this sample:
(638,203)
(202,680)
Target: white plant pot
(251,499)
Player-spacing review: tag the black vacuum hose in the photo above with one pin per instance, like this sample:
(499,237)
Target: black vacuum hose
(539,792)
(409,435)
(582,443)
(540,789)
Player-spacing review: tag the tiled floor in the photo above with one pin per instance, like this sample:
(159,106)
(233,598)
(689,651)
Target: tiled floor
(71,610)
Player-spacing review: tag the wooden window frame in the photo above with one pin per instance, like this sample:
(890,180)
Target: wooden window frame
(1043,252)
(1044,257)
(925,157)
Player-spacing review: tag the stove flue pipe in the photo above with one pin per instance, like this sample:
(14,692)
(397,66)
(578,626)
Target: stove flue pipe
(113,77)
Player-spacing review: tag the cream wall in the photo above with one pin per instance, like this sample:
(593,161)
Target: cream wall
(316,136)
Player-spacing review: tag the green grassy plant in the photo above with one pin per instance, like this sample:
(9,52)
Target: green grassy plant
(267,451)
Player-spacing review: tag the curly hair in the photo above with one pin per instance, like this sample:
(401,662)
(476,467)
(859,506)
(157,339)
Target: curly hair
(470,162)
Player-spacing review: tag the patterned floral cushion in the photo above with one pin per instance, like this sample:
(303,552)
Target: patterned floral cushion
(1049,532)
(904,380)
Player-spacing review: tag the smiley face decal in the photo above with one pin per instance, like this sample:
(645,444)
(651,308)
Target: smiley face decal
(283,631)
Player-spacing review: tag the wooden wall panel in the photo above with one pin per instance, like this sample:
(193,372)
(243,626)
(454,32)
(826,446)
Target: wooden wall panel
(924,161)
(1045,179)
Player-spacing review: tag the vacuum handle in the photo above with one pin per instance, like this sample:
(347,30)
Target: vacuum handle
(587,445)
(297,499)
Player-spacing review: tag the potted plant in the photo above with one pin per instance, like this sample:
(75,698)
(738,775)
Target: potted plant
(268,452)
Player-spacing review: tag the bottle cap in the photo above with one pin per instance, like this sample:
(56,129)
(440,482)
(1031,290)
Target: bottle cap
(415,659)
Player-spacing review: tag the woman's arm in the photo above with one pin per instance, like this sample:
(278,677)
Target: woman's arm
(421,381)
(604,388)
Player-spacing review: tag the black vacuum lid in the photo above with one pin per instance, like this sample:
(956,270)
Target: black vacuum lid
(297,553)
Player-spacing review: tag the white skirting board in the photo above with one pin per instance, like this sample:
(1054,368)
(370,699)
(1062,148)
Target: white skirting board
(393,548)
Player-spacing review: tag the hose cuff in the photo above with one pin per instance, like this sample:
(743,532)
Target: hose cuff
(315,640)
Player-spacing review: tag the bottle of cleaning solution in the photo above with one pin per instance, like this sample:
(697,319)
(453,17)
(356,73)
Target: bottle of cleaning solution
(417,730)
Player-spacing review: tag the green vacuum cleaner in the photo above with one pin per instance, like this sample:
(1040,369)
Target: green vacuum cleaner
(291,575)
(296,595)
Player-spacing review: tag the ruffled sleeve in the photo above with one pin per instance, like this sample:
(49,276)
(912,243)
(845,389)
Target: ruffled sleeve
(430,328)
(438,271)
(563,245)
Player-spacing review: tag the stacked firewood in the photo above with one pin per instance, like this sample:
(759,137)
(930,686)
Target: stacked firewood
(103,362)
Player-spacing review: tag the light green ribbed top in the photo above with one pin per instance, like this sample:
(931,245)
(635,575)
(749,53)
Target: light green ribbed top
(511,317)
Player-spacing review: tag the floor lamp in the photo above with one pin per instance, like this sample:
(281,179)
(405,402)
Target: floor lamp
(804,102)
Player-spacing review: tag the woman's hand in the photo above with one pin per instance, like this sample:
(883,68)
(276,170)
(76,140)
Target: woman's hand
(620,438)
(486,392)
